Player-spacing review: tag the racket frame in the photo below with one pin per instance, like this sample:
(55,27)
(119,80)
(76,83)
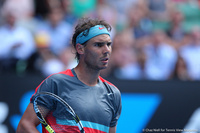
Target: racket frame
(68,108)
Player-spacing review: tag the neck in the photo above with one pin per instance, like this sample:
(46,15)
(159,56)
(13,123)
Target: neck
(86,75)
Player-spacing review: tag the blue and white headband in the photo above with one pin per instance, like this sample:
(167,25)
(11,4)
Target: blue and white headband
(93,31)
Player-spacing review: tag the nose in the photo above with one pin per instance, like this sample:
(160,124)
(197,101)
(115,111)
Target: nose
(107,49)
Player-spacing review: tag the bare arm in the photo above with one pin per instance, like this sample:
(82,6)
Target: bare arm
(29,121)
(112,130)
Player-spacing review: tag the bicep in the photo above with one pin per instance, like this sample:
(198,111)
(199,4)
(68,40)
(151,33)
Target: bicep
(112,130)
(29,121)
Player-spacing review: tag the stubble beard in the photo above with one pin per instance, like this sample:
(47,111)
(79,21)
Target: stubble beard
(94,65)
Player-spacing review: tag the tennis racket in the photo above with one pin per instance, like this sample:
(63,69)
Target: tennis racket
(55,114)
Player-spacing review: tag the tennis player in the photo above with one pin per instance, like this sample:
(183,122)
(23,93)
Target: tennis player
(96,101)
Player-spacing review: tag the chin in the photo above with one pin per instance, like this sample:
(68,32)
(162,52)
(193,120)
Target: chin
(103,67)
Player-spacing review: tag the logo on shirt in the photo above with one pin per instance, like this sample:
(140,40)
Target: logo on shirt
(109,94)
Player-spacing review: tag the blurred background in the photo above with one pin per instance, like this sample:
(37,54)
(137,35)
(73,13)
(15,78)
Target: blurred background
(155,61)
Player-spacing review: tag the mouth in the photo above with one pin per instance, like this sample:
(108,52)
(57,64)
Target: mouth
(105,60)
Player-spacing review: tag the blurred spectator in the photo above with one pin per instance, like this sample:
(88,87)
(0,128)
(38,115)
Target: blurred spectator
(159,13)
(53,44)
(21,8)
(176,31)
(191,53)
(107,13)
(161,57)
(158,9)
(57,29)
(181,70)
(136,53)
(46,61)
(139,21)
(141,60)
(16,42)
(1,17)
(49,63)
(67,57)
(121,7)
(69,16)
(41,8)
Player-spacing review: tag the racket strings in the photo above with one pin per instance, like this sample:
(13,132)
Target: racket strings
(61,119)
(62,124)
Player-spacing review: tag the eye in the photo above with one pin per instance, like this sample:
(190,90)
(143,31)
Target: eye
(98,44)
(109,43)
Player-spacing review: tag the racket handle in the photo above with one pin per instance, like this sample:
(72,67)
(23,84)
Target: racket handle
(49,129)
(82,131)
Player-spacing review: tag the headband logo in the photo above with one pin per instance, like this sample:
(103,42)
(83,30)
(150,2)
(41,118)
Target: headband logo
(92,32)
(101,28)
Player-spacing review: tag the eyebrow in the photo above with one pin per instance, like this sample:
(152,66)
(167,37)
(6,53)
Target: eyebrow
(103,42)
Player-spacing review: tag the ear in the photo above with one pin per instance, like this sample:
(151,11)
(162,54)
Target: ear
(80,48)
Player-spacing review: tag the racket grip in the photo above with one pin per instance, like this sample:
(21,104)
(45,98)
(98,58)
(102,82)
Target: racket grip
(49,129)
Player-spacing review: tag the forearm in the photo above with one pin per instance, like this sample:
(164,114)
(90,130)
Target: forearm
(28,122)
(26,127)
(112,130)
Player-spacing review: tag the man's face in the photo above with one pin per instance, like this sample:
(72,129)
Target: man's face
(97,52)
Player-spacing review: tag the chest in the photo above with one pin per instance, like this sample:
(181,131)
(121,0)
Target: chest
(90,103)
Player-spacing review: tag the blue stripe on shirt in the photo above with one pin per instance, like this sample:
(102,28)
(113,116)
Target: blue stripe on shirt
(84,123)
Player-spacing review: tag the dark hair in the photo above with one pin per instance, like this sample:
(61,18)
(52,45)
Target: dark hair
(86,24)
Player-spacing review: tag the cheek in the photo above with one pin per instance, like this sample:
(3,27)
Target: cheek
(90,55)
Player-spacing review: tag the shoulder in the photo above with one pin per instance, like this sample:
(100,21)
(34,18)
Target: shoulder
(53,80)
(111,86)
(107,82)
(67,74)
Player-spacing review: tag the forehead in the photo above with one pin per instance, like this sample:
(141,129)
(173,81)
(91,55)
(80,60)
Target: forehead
(101,38)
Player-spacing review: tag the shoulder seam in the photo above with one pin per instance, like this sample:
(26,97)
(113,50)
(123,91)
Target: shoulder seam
(103,80)
(67,72)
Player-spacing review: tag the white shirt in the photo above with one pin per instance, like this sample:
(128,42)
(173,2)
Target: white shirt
(11,37)
(191,55)
(160,61)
